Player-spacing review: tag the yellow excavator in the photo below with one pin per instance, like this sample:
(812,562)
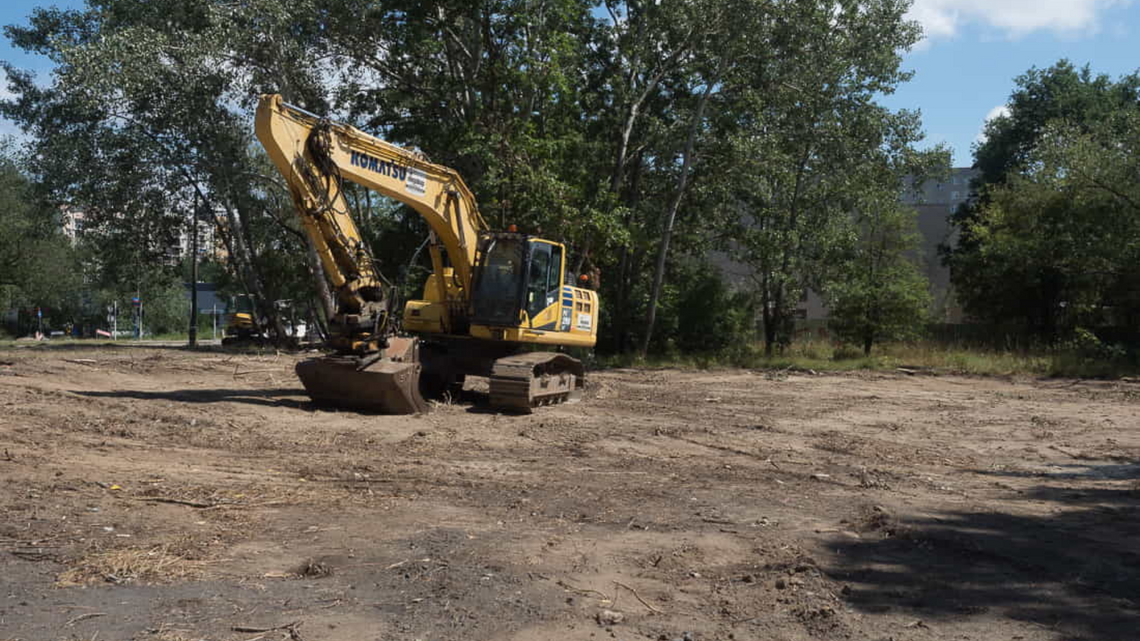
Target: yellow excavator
(492,298)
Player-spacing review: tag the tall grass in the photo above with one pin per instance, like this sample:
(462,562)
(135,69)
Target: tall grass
(823,356)
(923,356)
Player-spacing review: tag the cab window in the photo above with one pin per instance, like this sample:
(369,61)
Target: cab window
(498,281)
(536,288)
(552,283)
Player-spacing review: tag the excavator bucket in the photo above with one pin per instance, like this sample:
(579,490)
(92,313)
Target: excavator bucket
(389,385)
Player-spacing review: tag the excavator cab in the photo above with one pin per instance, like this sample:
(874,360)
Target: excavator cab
(513,274)
(519,293)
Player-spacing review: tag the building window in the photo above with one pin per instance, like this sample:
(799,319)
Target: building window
(954,195)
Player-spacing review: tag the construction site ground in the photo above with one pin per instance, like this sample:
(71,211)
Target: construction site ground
(155,493)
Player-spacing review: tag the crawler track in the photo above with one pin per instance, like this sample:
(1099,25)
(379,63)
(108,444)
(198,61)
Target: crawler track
(522,382)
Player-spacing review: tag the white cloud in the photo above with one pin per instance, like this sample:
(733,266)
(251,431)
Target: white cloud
(1013,18)
(5,93)
(999,111)
(8,129)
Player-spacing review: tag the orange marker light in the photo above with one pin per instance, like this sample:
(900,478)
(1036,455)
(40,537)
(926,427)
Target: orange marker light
(512,228)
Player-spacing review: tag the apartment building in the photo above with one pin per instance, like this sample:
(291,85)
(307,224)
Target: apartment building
(934,201)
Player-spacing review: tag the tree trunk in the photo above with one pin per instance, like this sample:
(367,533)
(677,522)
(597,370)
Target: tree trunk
(766,314)
(621,301)
(769,333)
(242,246)
(318,322)
(671,217)
(778,317)
(317,272)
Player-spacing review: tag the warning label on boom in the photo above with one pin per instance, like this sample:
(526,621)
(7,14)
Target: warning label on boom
(416,183)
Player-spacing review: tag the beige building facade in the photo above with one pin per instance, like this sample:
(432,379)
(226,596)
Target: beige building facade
(935,201)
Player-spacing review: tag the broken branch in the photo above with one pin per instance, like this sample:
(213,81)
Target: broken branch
(638,597)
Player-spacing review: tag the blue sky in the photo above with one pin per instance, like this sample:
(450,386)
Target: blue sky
(964,69)
(17,12)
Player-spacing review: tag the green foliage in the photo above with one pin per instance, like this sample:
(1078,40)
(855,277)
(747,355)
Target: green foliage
(1089,346)
(927,357)
(1061,93)
(880,294)
(809,145)
(699,313)
(1053,241)
(710,316)
(38,266)
(145,122)
(493,89)
(166,310)
(751,125)
(893,304)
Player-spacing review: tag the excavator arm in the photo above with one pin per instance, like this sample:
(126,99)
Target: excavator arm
(316,156)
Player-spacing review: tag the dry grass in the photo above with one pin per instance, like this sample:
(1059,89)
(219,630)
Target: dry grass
(153,565)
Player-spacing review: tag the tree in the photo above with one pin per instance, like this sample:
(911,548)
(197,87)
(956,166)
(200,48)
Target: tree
(1057,245)
(653,63)
(632,129)
(880,293)
(148,113)
(491,88)
(875,287)
(716,44)
(38,266)
(1050,241)
(1043,96)
(803,129)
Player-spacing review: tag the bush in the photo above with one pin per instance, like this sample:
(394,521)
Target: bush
(846,352)
(698,313)
(167,311)
(1089,346)
(711,317)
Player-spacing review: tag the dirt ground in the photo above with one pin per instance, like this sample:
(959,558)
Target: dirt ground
(160,494)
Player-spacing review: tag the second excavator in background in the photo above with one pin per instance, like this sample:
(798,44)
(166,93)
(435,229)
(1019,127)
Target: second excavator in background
(499,304)
(245,326)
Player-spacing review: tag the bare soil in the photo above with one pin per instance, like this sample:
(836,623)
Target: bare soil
(170,495)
